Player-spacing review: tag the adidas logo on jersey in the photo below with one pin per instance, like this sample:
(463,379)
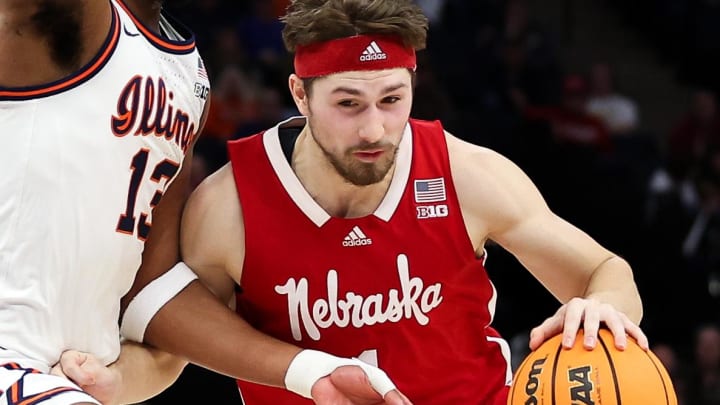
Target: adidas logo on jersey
(356,237)
(372,52)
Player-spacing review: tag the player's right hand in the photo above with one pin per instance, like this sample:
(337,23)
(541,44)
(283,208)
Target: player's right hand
(93,377)
(589,314)
(349,385)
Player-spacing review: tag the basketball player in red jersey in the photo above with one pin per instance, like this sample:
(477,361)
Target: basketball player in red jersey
(357,232)
(383,222)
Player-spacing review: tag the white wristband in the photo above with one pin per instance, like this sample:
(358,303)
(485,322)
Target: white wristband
(311,365)
(151,298)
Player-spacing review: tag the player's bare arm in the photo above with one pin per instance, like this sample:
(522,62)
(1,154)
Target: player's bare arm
(44,41)
(161,253)
(500,203)
(214,210)
(235,348)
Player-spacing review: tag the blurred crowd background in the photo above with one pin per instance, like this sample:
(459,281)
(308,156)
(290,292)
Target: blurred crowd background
(610,106)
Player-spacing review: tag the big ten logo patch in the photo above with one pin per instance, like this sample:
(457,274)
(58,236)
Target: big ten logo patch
(201,91)
(432,211)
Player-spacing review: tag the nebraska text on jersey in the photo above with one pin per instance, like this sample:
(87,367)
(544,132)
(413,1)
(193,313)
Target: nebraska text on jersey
(413,300)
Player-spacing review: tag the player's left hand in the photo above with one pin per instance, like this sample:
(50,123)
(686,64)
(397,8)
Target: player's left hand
(85,370)
(349,385)
(590,313)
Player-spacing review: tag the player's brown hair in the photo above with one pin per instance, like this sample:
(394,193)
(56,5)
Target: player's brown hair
(312,21)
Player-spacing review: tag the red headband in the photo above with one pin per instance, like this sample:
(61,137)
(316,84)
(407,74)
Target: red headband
(360,52)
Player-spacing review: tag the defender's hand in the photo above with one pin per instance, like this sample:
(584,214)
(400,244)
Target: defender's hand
(85,370)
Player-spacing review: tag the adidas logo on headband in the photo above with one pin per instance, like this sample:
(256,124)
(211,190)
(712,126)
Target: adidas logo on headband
(350,54)
(372,52)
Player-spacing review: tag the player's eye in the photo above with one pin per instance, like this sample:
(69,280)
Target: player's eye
(347,103)
(391,99)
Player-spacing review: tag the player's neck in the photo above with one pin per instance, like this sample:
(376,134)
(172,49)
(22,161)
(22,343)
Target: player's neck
(45,41)
(147,11)
(328,188)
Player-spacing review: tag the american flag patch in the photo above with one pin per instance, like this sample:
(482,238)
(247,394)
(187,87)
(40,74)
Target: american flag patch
(430,190)
(202,73)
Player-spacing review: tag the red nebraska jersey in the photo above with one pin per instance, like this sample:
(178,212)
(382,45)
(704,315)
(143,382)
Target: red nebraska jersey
(400,288)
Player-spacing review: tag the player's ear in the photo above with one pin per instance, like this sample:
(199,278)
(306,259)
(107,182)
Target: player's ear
(300,96)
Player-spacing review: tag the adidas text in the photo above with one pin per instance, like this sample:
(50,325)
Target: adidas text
(358,242)
(375,56)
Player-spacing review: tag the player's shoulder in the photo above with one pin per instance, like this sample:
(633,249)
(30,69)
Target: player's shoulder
(487,182)
(212,229)
(214,205)
(215,191)
(465,154)
(493,192)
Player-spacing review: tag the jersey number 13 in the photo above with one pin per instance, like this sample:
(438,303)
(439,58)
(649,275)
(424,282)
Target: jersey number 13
(166,169)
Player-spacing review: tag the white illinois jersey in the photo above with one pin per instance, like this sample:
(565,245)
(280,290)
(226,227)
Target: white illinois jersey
(84,160)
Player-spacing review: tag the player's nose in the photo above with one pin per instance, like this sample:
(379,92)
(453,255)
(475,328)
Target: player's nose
(372,126)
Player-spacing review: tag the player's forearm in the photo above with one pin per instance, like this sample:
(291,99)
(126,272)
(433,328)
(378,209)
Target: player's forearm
(145,371)
(198,327)
(613,283)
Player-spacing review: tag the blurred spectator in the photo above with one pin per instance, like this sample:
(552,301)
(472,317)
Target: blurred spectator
(233,103)
(430,100)
(261,30)
(227,50)
(461,46)
(270,111)
(531,55)
(702,243)
(204,17)
(569,122)
(684,224)
(705,383)
(433,9)
(693,134)
(617,111)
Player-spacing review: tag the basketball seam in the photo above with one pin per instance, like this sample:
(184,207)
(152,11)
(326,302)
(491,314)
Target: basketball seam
(612,370)
(667,400)
(554,371)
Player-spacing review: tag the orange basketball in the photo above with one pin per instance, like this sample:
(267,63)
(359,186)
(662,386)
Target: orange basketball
(605,375)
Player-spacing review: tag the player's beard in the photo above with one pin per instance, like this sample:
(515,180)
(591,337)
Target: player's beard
(356,172)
